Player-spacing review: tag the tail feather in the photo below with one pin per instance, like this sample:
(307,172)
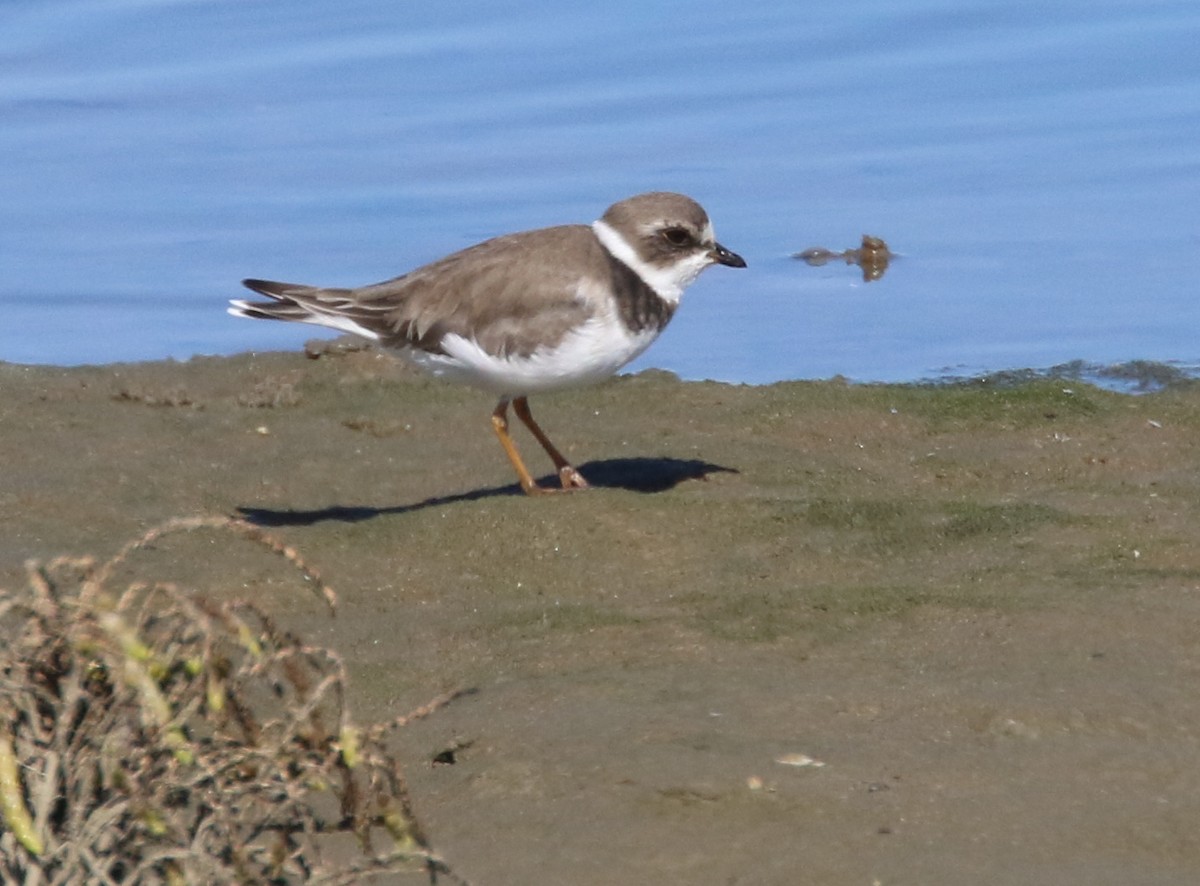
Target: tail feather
(269,310)
(296,303)
(281,291)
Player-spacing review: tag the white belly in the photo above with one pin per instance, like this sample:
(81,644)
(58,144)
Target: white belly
(585,356)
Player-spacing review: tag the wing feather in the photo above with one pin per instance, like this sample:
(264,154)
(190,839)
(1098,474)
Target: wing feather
(511,295)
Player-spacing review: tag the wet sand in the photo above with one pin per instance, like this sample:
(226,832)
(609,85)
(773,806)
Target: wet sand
(976,606)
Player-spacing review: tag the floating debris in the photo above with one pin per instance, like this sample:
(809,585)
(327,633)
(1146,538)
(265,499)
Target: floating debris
(873,257)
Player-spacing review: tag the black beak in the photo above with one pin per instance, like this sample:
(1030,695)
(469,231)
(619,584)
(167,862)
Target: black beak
(723,256)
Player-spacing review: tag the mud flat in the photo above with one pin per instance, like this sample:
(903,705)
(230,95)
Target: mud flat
(804,633)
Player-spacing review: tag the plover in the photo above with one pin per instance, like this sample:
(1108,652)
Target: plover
(525,313)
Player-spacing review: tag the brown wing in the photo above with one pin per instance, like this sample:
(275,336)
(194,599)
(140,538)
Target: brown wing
(510,295)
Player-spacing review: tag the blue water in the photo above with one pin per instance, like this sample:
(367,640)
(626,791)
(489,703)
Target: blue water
(1036,165)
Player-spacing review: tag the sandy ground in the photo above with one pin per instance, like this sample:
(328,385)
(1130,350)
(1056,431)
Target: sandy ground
(977,608)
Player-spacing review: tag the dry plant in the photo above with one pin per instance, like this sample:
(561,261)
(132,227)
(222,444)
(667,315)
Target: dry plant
(152,735)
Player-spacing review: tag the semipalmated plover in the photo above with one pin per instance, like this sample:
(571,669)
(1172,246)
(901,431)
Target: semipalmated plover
(530,312)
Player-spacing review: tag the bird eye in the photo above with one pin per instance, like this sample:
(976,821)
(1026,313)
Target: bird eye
(677,236)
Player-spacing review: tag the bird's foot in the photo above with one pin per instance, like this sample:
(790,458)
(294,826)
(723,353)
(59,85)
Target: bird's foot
(572,479)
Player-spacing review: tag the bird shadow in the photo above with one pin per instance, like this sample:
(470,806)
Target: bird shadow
(645,475)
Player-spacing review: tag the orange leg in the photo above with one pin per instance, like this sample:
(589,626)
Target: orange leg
(500,426)
(567,475)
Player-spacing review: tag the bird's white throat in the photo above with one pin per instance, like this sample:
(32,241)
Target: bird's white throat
(669,281)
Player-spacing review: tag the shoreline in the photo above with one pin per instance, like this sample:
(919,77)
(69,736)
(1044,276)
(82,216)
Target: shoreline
(1132,376)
